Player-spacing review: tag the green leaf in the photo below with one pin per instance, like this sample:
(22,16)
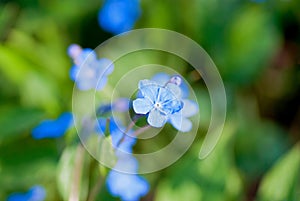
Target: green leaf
(106,151)
(253,40)
(13,65)
(14,121)
(188,191)
(280,181)
(72,174)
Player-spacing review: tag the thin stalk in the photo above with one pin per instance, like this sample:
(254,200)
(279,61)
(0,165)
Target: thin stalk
(129,127)
(96,189)
(140,130)
(79,157)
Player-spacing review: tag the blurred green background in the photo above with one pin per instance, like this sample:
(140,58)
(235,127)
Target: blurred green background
(256,47)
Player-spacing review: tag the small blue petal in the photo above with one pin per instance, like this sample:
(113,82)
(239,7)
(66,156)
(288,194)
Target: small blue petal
(36,193)
(107,65)
(53,128)
(175,90)
(156,118)
(161,78)
(74,50)
(127,186)
(74,72)
(101,82)
(142,106)
(180,123)
(126,163)
(87,55)
(190,108)
(149,89)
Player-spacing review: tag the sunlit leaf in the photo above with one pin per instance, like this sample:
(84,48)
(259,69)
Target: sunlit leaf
(280,182)
(72,174)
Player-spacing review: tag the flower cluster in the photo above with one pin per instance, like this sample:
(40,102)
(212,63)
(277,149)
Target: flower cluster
(163,99)
(89,72)
(118,16)
(165,103)
(36,193)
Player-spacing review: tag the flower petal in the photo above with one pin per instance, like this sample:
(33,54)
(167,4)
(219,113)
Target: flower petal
(190,108)
(149,89)
(156,118)
(174,89)
(53,128)
(101,83)
(161,78)
(74,72)
(107,66)
(180,122)
(142,106)
(129,187)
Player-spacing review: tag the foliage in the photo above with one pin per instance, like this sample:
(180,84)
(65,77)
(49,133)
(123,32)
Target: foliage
(255,45)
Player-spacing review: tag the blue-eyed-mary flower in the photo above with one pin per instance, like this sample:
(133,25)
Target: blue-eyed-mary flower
(164,100)
(89,72)
(158,101)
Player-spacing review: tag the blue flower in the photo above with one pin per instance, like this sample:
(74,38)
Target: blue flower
(147,102)
(120,105)
(88,71)
(118,16)
(158,101)
(36,193)
(129,187)
(117,132)
(53,128)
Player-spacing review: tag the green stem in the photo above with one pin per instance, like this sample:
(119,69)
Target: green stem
(96,188)
(79,157)
(141,130)
(129,127)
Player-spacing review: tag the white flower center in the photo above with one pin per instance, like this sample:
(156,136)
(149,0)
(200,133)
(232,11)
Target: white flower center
(157,105)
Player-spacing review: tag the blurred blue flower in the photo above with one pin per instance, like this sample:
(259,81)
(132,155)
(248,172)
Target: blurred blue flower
(36,193)
(129,187)
(88,71)
(117,132)
(158,101)
(53,128)
(118,16)
(119,105)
